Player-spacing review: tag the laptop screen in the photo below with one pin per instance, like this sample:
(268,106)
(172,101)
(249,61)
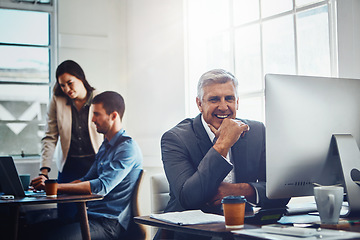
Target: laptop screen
(9,178)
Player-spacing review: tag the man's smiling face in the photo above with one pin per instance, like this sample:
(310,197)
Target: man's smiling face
(219,102)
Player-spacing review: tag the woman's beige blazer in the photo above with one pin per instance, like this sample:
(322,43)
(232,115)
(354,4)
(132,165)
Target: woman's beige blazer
(59,122)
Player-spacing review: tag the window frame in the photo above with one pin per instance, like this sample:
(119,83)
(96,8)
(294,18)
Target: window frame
(53,39)
(248,95)
(51,9)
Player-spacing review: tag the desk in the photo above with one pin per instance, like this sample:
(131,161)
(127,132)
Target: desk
(81,200)
(210,230)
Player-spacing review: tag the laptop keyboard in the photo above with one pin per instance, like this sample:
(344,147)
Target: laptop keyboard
(35,194)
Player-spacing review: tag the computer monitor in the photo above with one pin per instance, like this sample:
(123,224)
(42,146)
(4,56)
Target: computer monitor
(302,113)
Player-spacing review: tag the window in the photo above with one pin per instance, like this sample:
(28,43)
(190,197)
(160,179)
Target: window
(27,52)
(251,38)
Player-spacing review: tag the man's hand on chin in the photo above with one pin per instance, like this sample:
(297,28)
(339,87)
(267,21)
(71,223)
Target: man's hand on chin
(228,134)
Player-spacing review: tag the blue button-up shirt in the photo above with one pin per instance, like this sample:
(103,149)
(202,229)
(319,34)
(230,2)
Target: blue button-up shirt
(114,173)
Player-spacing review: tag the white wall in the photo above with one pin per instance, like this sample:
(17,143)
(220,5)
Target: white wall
(348,22)
(93,34)
(156,85)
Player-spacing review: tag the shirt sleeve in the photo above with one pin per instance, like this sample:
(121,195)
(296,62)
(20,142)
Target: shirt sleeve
(113,170)
(227,159)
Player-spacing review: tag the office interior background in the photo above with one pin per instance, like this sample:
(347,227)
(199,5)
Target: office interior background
(153,53)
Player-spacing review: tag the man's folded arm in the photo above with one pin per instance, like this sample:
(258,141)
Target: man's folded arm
(192,186)
(76,187)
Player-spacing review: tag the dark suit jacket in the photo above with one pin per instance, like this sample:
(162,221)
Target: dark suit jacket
(195,170)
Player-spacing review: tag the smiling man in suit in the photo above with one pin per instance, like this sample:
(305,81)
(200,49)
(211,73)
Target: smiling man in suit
(215,154)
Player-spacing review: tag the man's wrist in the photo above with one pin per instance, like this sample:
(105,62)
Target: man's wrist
(223,151)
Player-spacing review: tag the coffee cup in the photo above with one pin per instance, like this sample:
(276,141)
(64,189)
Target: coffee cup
(51,187)
(234,211)
(25,181)
(329,200)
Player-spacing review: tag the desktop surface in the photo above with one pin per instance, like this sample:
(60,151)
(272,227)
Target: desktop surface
(296,218)
(219,230)
(61,198)
(15,204)
(211,229)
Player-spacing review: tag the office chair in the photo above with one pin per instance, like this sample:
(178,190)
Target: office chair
(159,193)
(159,188)
(136,231)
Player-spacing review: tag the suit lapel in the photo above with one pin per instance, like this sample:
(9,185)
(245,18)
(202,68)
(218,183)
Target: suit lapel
(202,138)
(239,158)
(238,151)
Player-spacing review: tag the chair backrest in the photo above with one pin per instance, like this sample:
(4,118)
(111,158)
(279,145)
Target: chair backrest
(135,197)
(136,231)
(159,193)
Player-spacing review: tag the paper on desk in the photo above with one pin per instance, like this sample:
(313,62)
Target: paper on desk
(324,234)
(188,217)
(300,219)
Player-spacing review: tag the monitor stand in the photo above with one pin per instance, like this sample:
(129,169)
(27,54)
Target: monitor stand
(349,156)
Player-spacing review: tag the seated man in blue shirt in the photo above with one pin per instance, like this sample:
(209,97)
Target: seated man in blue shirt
(113,175)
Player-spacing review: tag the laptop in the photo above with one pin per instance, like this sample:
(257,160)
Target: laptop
(10,181)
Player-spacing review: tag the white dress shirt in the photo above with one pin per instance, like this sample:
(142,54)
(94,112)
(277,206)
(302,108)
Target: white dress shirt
(230,177)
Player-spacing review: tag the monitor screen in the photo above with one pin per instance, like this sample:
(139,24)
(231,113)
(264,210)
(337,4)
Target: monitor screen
(302,113)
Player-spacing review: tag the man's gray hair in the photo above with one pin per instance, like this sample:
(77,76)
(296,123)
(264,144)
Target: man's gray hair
(215,76)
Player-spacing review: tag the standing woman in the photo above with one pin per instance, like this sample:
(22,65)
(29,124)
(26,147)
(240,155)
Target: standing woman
(69,117)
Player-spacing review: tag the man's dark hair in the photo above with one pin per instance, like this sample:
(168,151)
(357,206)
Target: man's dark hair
(73,68)
(112,101)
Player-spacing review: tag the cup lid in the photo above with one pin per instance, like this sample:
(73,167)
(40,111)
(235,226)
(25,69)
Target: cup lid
(234,199)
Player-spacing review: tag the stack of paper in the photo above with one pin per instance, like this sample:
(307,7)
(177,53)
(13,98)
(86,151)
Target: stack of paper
(188,217)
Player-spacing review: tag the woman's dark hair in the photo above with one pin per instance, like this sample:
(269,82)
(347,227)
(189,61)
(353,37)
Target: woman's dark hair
(72,68)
